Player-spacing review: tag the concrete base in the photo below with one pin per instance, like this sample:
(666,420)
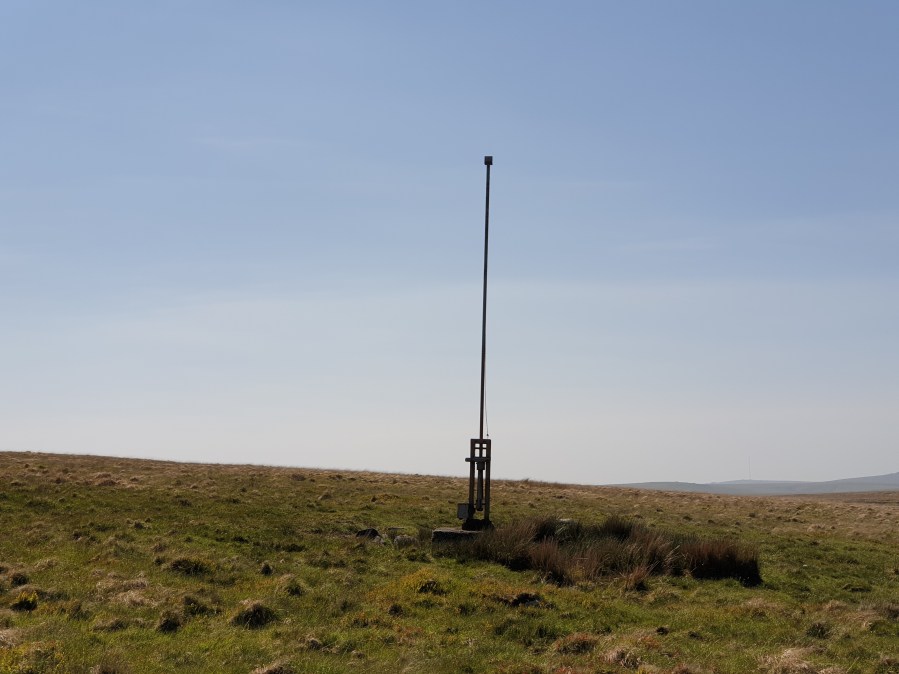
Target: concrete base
(452,535)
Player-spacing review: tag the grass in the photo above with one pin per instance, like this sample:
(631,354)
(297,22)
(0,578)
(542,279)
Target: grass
(122,566)
(565,551)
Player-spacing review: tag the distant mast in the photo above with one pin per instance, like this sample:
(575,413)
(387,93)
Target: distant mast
(479,448)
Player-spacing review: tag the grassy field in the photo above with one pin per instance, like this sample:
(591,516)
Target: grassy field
(112,566)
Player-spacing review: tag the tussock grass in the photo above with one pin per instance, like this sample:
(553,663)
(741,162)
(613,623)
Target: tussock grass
(191,566)
(24,601)
(291,585)
(18,578)
(169,621)
(194,606)
(576,643)
(722,559)
(566,551)
(253,614)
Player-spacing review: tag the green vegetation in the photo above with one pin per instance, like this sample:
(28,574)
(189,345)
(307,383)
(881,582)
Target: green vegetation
(114,566)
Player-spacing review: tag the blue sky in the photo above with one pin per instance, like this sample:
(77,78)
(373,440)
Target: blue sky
(251,232)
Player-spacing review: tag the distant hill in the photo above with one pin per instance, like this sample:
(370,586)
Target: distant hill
(888,482)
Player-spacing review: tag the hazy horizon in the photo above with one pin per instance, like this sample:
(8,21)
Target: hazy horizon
(456,474)
(253,234)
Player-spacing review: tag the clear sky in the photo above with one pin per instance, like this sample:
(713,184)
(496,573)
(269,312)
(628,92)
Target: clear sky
(251,232)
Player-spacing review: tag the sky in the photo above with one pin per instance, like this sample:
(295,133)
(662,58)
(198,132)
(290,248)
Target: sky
(252,232)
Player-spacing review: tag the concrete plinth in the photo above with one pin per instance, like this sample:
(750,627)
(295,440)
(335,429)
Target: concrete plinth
(452,535)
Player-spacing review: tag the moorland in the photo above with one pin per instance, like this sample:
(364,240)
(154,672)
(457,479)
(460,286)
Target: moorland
(118,566)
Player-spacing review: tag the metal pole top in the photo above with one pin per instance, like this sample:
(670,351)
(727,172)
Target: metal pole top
(488,160)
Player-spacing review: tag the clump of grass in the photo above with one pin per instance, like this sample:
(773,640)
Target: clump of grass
(637,579)
(431,586)
(722,559)
(291,585)
(253,614)
(313,644)
(818,630)
(31,657)
(109,625)
(25,601)
(509,545)
(194,606)
(791,661)
(170,621)
(547,558)
(8,639)
(73,609)
(579,642)
(566,551)
(191,566)
(622,658)
(18,578)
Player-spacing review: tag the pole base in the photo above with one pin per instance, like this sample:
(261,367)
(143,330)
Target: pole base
(473,524)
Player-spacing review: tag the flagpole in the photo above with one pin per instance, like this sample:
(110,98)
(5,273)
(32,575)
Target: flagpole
(488,162)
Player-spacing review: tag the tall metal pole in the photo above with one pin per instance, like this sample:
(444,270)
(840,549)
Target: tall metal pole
(488,162)
(479,448)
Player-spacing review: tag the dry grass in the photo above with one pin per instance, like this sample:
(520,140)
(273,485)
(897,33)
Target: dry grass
(579,642)
(791,661)
(565,551)
(722,559)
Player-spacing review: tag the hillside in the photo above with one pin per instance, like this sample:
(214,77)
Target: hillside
(116,566)
(874,483)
